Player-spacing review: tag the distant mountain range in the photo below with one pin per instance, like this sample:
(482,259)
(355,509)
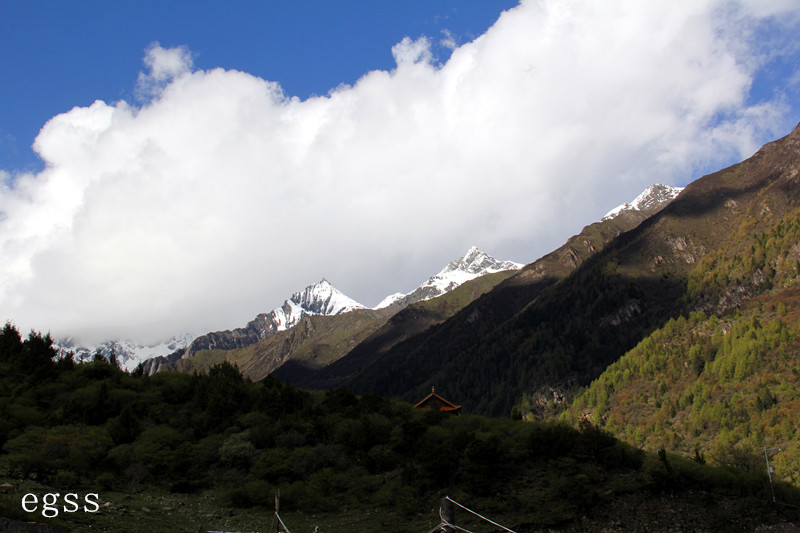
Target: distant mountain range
(318,299)
(127,353)
(322,299)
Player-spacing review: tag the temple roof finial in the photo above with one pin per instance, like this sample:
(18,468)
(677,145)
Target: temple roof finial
(433,389)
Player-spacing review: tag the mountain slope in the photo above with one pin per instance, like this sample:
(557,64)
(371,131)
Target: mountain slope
(723,381)
(380,363)
(567,332)
(721,388)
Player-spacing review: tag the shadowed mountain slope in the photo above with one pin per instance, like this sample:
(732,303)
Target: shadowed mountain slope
(722,379)
(379,363)
(565,318)
(403,325)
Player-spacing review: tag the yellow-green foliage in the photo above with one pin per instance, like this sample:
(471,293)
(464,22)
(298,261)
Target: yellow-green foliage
(719,389)
(775,253)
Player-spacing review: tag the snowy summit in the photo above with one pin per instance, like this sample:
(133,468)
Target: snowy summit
(653,197)
(475,263)
(321,298)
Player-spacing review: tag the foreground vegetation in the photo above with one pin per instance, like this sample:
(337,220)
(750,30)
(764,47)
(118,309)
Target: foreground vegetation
(178,452)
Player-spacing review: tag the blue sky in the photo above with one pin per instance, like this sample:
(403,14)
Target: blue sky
(171,167)
(61,54)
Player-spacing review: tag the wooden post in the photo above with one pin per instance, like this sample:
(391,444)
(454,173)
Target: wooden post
(448,511)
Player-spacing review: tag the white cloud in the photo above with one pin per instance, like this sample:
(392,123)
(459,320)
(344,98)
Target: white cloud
(165,64)
(412,51)
(219,195)
(448,40)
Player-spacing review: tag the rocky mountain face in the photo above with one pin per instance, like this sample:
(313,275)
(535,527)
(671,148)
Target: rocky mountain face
(321,298)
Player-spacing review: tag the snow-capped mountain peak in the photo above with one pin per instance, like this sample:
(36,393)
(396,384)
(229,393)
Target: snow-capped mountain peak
(652,199)
(478,263)
(473,264)
(321,298)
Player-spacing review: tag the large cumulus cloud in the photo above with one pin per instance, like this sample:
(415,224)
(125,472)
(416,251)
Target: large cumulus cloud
(215,195)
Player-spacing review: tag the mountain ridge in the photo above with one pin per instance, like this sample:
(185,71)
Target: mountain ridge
(317,340)
(127,353)
(502,302)
(563,319)
(319,298)
(323,299)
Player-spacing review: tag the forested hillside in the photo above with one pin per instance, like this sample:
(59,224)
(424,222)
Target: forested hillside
(721,386)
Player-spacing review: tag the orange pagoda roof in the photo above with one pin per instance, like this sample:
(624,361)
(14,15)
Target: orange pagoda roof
(434,401)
